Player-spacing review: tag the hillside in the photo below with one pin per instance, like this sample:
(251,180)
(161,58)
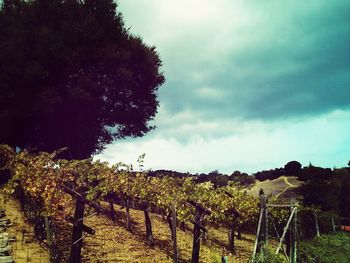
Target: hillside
(282,187)
(113,243)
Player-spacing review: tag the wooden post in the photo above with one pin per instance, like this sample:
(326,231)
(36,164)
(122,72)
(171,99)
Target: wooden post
(285,230)
(333,225)
(173,231)
(257,236)
(48,235)
(77,232)
(263,237)
(317,229)
(293,234)
(85,228)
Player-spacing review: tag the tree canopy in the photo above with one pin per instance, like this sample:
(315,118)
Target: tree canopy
(71,75)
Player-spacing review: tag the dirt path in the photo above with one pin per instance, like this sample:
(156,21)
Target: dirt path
(285,189)
(26,248)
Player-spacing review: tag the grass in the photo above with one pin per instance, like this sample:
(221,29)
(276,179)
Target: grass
(331,248)
(277,186)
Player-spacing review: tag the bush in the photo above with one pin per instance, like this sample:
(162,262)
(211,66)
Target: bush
(268,256)
(326,249)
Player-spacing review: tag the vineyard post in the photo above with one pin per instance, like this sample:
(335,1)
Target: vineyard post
(263,235)
(293,233)
(77,233)
(333,225)
(48,235)
(173,221)
(316,225)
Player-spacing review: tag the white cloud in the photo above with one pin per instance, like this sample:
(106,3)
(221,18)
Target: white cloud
(322,141)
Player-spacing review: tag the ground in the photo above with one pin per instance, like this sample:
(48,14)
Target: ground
(26,248)
(113,243)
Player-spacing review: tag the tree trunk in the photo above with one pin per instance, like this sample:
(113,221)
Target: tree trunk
(170,224)
(239,233)
(196,238)
(231,239)
(127,211)
(149,234)
(204,235)
(112,210)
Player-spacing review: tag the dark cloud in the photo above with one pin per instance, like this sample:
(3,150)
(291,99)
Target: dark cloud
(300,65)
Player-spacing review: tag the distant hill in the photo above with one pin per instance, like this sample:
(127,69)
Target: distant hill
(282,187)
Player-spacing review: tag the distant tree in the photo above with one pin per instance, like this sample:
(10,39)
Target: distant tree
(345,198)
(242,178)
(292,168)
(322,193)
(269,174)
(313,172)
(236,174)
(72,75)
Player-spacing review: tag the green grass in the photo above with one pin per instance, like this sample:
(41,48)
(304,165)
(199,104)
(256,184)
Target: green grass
(331,248)
(267,255)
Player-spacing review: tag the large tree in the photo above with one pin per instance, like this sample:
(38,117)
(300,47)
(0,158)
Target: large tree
(71,75)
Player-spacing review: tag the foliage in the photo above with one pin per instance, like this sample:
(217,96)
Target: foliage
(326,188)
(269,174)
(326,249)
(41,176)
(266,255)
(73,76)
(292,168)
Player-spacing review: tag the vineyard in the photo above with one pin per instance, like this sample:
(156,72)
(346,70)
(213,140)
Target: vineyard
(77,205)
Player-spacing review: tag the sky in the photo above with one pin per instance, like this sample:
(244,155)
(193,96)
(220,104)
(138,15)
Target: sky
(250,84)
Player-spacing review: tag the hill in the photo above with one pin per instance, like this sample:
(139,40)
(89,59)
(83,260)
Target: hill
(282,187)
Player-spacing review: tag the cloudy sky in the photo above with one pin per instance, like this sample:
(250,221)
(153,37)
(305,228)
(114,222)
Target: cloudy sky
(250,85)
